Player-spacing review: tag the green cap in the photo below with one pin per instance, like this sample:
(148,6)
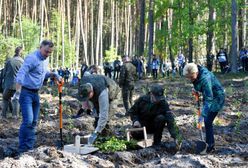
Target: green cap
(85,90)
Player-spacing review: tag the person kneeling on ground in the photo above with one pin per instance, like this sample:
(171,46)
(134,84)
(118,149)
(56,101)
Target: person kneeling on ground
(153,112)
(97,92)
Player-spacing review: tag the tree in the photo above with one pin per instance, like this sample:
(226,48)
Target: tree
(151,29)
(234,36)
(142,27)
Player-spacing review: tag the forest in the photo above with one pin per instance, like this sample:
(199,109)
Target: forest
(169,44)
(90,31)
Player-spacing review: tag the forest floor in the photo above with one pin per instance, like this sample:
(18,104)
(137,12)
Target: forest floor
(230,129)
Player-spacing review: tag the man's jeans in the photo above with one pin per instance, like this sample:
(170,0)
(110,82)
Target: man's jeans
(208,121)
(30,107)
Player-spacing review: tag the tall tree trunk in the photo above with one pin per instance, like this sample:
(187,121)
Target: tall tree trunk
(151,31)
(34,13)
(191,24)
(63,31)
(99,34)
(142,27)
(83,33)
(210,32)
(234,36)
(112,23)
(69,28)
(1,3)
(92,32)
(41,19)
(117,28)
(169,25)
(20,23)
(244,16)
(77,32)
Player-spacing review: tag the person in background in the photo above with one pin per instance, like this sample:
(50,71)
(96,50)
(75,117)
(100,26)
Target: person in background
(29,80)
(222,59)
(181,63)
(67,75)
(117,68)
(243,55)
(9,74)
(83,69)
(107,69)
(213,95)
(126,81)
(155,67)
(61,72)
(210,61)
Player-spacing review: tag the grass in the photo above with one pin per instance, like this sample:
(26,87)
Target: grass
(229,91)
(238,75)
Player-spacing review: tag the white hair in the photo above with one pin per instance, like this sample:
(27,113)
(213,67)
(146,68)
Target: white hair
(189,69)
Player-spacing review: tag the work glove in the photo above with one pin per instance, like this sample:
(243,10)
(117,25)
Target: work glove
(79,113)
(200,119)
(16,96)
(194,92)
(136,124)
(92,138)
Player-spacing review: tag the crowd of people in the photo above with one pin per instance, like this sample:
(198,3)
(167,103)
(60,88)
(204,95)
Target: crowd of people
(24,78)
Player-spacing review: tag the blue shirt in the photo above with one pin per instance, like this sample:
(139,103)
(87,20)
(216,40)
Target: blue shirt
(33,71)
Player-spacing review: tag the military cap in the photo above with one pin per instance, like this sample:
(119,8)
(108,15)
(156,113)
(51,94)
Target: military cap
(157,91)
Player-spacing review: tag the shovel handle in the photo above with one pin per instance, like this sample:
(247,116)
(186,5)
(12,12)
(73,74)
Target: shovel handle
(60,85)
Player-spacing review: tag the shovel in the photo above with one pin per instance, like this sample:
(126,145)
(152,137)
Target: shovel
(60,86)
(201,145)
(144,143)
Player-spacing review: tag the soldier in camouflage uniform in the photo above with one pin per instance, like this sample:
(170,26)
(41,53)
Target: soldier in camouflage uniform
(152,111)
(9,74)
(97,92)
(126,81)
(213,94)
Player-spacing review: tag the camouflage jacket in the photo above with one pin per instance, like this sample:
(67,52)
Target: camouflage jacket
(145,111)
(127,74)
(211,89)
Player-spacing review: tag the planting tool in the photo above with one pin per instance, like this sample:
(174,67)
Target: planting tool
(144,143)
(201,145)
(60,87)
(79,148)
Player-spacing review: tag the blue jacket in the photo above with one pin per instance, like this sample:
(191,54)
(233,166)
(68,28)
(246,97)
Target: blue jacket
(211,89)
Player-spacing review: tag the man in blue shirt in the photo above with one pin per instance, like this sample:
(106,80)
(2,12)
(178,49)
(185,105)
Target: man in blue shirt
(29,80)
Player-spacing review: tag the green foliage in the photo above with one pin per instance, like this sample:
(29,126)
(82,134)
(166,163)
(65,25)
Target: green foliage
(31,32)
(111,54)
(229,90)
(56,37)
(113,144)
(7,47)
(70,124)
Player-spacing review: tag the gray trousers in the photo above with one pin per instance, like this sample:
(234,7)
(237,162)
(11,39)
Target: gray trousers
(8,105)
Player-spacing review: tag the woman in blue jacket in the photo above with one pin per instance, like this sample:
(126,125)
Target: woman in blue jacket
(213,94)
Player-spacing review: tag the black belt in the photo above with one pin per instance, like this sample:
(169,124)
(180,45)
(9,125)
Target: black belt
(31,90)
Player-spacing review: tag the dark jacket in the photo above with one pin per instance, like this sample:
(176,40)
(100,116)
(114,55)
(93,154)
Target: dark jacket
(10,71)
(145,111)
(211,89)
(99,83)
(127,74)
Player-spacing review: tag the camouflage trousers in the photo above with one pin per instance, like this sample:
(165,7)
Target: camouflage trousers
(127,95)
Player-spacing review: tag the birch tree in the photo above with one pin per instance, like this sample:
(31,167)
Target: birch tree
(234,36)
